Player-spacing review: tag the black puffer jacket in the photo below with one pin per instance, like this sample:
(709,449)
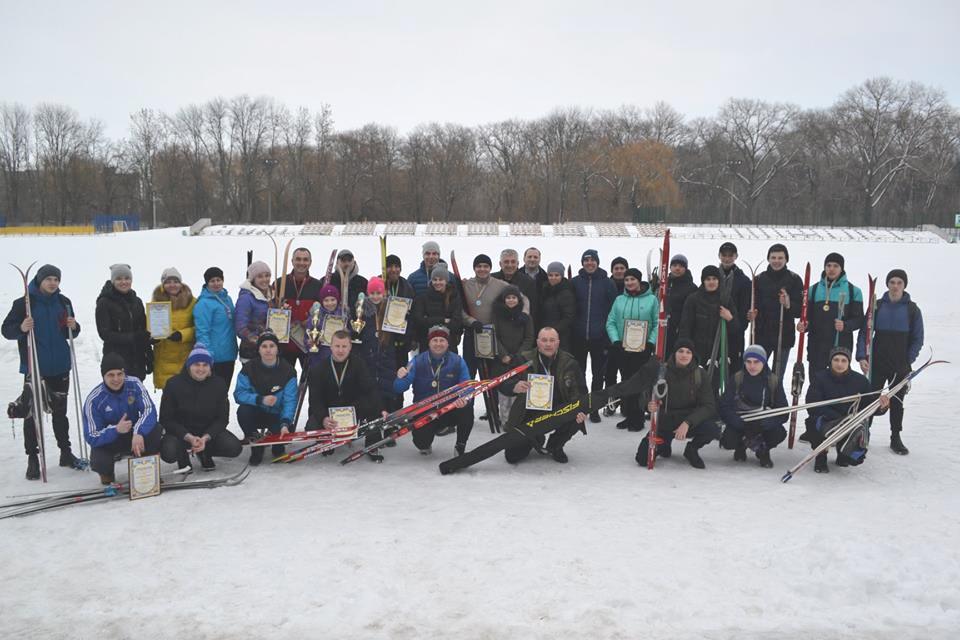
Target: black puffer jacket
(122,325)
(678,290)
(189,406)
(558,309)
(701,317)
(435,308)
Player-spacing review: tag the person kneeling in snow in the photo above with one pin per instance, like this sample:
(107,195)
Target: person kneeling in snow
(689,410)
(194,413)
(754,387)
(430,372)
(838,381)
(569,385)
(118,418)
(266,395)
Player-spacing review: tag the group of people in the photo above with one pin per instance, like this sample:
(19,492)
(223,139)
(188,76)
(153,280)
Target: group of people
(531,314)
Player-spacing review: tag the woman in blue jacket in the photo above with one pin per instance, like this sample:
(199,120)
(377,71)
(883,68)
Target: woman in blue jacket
(266,395)
(213,318)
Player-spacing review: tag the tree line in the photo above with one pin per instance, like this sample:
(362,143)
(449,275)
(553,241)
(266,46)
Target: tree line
(886,153)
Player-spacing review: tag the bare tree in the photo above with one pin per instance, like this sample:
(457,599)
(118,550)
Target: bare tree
(15,123)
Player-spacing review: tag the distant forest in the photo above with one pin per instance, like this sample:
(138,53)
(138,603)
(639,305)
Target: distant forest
(886,153)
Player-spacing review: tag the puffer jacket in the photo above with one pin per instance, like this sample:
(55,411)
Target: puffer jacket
(558,309)
(169,356)
(50,314)
(213,316)
(513,330)
(122,325)
(251,317)
(642,305)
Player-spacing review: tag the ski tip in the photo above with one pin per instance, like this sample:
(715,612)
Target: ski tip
(786,477)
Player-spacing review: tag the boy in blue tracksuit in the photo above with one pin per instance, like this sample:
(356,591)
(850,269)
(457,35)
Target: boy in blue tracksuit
(52,319)
(897,340)
(119,418)
(430,372)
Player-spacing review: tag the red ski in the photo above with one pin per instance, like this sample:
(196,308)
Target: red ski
(871,312)
(796,386)
(660,388)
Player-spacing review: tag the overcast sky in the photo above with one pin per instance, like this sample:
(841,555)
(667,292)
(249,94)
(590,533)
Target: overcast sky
(405,63)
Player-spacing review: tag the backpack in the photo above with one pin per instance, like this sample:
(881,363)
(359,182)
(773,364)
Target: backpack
(772,383)
(912,311)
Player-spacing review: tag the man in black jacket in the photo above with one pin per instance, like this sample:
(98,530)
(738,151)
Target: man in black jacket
(356,283)
(509,273)
(739,287)
(122,322)
(398,287)
(679,286)
(194,413)
(532,268)
(778,289)
(618,270)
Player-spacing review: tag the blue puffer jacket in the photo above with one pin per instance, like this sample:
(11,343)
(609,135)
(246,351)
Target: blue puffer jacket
(897,341)
(826,385)
(50,327)
(244,393)
(595,294)
(251,318)
(420,279)
(103,409)
(453,370)
(213,317)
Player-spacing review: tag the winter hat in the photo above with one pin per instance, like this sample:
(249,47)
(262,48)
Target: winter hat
(710,271)
(756,352)
(841,350)
(590,253)
(344,253)
(897,273)
(834,257)
(110,362)
(438,331)
(211,273)
(511,290)
(778,248)
(432,246)
(376,285)
(680,259)
(635,273)
(619,260)
(170,272)
(482,259)
(199,354)
(329,291)
(555,267)
(684,343)
(728,247)
(440,271)
(256,269)
(267,336)
(45,272)
(118,271)
(393,260)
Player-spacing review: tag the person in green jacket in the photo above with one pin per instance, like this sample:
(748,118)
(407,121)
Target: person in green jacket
(636,303)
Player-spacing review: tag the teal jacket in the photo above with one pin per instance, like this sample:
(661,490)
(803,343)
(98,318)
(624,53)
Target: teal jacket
(643,306)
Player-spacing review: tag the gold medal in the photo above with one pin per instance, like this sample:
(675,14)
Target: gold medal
(433,384)
(826,306)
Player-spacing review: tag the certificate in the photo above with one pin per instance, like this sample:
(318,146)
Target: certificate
(395,315)
(346,419)
(144,476)
(331,324)
(635,335)
(540,393)
(159,319)
(485,343)
(278,323)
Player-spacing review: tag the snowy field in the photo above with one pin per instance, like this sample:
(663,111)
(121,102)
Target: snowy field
(597,548)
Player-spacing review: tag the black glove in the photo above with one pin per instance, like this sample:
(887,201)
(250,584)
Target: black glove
(176,336)
(617,346)
(142,337)
(477,326)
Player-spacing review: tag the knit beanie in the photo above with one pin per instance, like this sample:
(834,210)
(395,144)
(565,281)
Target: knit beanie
(684,343)
(168,273)
(211,273)
(728,247)
(680,259)
(755,352)
(440,271)
(778,248)
(267,336)
(431,246)
(375,285)
(834,257)
(118,271)
(897,273)
(482,258)
(199,354)
(555,267)
(619,260)
(393,260)
(329,291)
(256,269)
(710,271)
(590,253)
(841,350)
(438,331)
(45,272)
(633,272)
(110,362)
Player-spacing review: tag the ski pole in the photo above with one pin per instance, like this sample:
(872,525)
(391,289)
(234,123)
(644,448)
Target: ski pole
(840,305)
(81,441)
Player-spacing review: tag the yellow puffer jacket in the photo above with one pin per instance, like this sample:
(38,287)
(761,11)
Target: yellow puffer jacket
(169,356)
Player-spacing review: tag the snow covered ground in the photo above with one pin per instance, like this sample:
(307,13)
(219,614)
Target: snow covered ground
(597,548)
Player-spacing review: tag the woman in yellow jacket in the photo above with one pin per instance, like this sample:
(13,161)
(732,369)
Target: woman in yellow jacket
(171,352)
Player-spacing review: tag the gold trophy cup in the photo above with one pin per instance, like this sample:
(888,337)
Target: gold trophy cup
(358,324)
(314,333)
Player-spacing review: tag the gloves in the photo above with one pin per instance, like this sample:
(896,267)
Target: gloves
(477,326)
(141,337)
(617,346)
(176,336)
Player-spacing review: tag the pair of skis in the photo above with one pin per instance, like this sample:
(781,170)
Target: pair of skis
(799,377)
(660,387)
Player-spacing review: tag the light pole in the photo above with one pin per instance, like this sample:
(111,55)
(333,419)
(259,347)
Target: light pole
(270,164)
(153,202)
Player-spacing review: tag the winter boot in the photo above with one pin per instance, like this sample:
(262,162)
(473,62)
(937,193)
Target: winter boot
(557,454)
(183,460)
(820,464)
(665,450)
(896,444)
(107,478)
(595,417)
(206,461)
(256,456)
(427,451)
(740,453)
(375,456)
(67,459)
(623,424)
(763,455)
(460,448)
(642,452)
(33,467)
(692,454)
